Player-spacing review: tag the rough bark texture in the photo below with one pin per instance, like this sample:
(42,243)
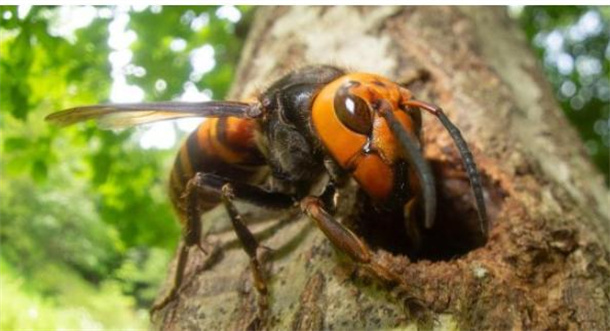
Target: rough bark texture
(546,262)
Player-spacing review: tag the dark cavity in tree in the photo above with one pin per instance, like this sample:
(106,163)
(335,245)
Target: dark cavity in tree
(455,232)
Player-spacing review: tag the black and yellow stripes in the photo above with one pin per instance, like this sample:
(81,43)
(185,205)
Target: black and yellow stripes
(220,146)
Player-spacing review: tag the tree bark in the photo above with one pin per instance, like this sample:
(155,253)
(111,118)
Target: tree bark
(546,262)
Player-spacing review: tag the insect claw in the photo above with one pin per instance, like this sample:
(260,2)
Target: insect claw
(228,192)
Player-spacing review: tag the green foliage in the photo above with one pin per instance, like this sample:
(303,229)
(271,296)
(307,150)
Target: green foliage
(40,67)
(77,305)
(141,273)
(72,233)
(574,44)
(82,209)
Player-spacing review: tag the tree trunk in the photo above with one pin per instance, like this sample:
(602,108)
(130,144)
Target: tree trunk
(545,264)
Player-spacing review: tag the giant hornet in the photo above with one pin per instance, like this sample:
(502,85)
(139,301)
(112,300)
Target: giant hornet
(316,122)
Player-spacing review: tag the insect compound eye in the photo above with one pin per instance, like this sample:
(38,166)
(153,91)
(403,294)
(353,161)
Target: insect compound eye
(353,111)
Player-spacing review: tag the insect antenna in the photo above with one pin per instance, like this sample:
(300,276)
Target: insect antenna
(469,164)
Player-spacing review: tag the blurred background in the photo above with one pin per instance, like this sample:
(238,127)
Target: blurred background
(86,230)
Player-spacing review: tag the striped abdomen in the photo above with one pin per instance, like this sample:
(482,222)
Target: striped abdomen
(220,146)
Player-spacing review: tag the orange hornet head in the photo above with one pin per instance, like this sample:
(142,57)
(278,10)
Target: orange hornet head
(364,123)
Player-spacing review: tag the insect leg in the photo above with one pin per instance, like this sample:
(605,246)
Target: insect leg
(178,275)
(245,192)
(337,233)
(230,190)
(250,245)
(191,236)
(346,241)
(210,183)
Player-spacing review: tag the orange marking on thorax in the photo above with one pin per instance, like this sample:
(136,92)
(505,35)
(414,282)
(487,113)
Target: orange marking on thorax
(238,145)
(240,132)
(187,167)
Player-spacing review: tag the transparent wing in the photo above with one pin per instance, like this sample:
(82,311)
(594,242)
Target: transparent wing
(118,116)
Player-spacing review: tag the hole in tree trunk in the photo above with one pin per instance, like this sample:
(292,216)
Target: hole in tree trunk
(456,230)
